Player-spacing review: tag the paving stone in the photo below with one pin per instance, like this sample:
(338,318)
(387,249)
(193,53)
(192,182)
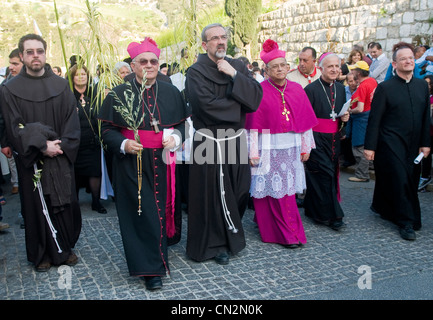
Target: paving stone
(327,263)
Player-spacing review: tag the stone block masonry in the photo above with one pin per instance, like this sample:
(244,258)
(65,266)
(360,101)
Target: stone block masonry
(336,25)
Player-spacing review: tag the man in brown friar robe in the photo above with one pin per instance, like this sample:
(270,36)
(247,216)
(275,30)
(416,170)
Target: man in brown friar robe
(42,126)
(220,92)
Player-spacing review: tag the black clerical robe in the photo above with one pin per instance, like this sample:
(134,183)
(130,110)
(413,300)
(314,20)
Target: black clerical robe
(219,105)
(47,109)
(144,236)
(322,168)
(398,126)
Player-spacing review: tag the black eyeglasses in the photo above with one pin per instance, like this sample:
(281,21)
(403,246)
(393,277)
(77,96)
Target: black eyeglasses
(31,52)
(216,38)
(144,62)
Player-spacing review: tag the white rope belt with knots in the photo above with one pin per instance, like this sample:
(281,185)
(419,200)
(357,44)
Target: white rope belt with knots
(45,210)
(226,211)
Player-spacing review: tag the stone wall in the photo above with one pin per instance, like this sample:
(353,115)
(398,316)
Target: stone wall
(336,25)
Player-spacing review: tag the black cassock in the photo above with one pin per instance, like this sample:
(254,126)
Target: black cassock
(398,126)
(219,105)
(44,103)
(144,236)
(321,201)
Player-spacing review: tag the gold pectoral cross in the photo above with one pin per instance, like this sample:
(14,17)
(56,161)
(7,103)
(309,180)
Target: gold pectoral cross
(286,113)
(154,123)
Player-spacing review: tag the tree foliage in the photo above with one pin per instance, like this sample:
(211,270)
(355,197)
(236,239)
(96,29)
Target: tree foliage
(243,15)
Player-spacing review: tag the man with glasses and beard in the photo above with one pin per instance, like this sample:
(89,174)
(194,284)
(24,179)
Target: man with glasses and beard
(145,230)
(220,92)
(42,126)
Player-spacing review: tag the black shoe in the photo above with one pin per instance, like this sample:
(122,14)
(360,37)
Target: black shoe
(337,225)
(292,246)
(99,208)
(153,283)
(423,183)
(222,258)
(299,203)
(407,233)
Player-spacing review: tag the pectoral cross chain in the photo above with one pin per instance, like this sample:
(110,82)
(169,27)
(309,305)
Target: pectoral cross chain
(285,111)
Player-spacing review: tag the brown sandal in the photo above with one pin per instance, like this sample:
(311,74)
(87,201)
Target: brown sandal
(72,260)
(43,267)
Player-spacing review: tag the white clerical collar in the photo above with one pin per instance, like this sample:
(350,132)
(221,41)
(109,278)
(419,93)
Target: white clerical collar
(404,79)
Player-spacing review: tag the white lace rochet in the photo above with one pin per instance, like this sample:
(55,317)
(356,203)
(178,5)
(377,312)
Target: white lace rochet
(280,171)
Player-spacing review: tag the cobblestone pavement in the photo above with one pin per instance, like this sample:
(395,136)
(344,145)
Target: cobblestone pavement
(326,265)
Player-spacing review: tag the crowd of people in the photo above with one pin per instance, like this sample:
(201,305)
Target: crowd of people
(213,140)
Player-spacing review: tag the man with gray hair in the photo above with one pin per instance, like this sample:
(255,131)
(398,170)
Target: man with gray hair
(220,92)
(327,97)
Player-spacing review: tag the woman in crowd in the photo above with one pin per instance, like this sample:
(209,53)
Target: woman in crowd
(354,57)
(122,69)
(88,163)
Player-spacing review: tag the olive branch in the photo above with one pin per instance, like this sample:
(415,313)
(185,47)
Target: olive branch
(126,109)
(133,120)
(37,177)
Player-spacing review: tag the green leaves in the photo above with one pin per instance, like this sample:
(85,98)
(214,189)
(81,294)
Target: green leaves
(37,177)
(126,108)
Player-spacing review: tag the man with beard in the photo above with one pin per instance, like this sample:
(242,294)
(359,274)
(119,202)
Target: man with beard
(42,126)
(327,97)
(220,92)
(398,130)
